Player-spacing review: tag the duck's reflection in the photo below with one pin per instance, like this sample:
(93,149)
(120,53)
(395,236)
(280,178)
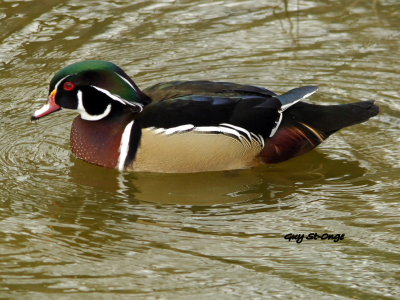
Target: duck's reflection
(267,183)
(186,189)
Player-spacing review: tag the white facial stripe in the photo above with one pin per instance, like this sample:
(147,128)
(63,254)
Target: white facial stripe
(124,146)
(85,115)
(55,88)
(127,81)
(58,83)
(118,99)
(40,111)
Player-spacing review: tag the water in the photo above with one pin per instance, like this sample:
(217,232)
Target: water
(72,230)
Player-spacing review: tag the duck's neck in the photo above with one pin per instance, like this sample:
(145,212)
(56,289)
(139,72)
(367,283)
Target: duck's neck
(107,142)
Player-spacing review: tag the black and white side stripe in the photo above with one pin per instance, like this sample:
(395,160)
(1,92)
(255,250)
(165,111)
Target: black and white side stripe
(238,133)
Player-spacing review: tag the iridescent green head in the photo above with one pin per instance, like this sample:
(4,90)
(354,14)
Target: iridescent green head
(94,88)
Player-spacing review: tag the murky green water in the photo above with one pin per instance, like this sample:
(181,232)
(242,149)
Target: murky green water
(71,230)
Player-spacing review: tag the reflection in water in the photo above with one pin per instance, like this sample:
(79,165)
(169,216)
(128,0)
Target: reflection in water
(268,183)
(70,229)
(186,189)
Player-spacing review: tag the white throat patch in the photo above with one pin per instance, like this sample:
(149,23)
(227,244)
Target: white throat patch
(89,117)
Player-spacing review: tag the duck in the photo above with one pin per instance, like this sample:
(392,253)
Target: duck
(189,126)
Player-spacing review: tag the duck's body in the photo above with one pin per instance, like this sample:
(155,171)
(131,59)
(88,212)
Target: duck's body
(193,151)
(189,126)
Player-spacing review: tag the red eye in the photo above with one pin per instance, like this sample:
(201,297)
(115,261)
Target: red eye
(69,86)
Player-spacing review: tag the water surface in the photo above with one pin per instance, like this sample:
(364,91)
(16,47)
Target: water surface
(72,230)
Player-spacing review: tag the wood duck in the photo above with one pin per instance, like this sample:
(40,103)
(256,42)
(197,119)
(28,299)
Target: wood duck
(189,126)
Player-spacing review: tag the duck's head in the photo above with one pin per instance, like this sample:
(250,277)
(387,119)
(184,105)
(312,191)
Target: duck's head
(93,88)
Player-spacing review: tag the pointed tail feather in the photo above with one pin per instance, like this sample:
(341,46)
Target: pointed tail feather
(305,126)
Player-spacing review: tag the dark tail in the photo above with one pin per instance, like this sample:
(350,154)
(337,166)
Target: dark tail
(305,126)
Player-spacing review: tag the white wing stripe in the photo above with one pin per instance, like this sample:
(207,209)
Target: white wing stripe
(277,123)
(178,129)
(219,129)
(246,132)
(286,106)
(236,132)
